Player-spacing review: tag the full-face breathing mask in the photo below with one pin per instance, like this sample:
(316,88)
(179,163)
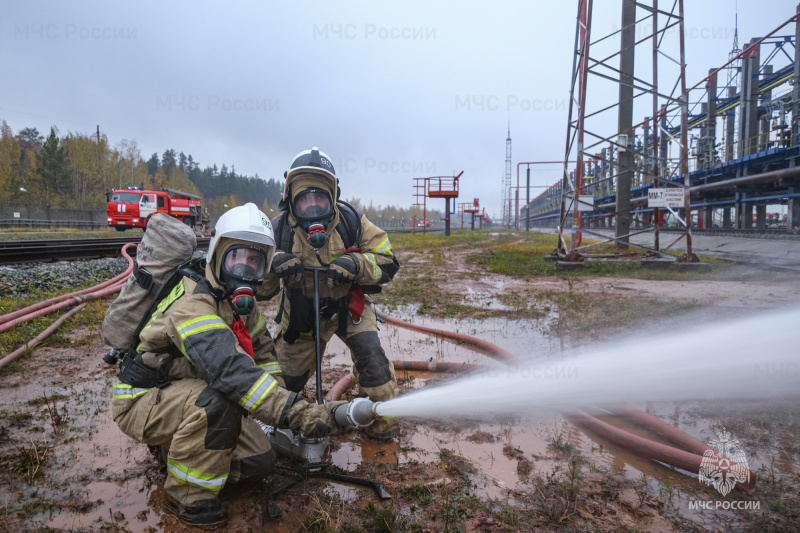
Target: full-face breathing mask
(313,209)
(243,269)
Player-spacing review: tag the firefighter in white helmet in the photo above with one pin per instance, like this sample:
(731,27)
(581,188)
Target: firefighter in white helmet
(316,228)
(207,363)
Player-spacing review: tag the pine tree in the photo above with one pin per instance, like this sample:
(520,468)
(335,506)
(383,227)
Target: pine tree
(52,166)
(152,164)
(30,135)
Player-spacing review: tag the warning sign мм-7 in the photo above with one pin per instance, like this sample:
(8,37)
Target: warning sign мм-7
(668,197)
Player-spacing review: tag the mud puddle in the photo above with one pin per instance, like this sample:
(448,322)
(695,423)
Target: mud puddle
(509,454)
(95,478)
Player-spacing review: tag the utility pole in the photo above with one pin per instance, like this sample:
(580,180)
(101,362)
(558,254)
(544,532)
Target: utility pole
(507,185)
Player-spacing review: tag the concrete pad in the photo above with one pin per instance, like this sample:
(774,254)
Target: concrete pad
(570,265)
(691,267)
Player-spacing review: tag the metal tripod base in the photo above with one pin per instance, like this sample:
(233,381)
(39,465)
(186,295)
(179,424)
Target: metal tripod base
(318,470)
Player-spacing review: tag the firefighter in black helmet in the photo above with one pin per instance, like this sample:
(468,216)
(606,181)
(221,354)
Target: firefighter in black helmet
(316,228)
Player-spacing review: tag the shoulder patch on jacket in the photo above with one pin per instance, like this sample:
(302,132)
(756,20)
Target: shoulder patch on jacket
(203,287)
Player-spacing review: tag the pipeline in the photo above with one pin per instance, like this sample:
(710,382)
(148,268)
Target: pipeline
(689,461)
(472,343)
(9,320)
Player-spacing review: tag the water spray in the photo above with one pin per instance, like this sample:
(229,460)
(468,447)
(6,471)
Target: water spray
(750,358)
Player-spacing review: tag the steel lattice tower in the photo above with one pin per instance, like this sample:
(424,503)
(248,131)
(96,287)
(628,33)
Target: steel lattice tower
(732,133)
(507,184)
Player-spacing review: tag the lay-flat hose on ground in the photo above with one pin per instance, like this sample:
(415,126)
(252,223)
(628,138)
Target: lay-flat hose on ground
(654,450)
(421,366)
(79,298)
(473,343)
(13,356)
(687,460)
(67,300)
(45,303)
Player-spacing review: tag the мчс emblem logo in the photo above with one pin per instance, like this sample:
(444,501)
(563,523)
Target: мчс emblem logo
(724,466)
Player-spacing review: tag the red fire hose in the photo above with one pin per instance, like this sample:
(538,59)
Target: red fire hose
(654,450)
(79,298)
(687,460)
(48,306)
(421,366)
(473,343)
(13,356)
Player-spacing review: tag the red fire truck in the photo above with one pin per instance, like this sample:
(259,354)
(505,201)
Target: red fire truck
(132,207)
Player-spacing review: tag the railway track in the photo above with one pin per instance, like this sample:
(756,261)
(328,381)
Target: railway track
(14,252)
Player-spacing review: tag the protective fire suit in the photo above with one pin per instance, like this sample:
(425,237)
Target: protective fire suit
(209,392)
(340,306)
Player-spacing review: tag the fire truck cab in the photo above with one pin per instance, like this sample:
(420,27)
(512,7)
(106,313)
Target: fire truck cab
(132,207)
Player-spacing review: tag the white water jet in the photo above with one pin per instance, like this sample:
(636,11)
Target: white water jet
(749,359)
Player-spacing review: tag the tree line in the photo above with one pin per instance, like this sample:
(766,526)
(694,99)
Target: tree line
(75,171)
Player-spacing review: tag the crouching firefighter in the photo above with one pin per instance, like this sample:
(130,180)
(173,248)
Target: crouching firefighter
(316,229)
(203,371)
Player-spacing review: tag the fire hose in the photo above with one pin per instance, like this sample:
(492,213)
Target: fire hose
(35,307)
(78,298)
(361,412)
(690,460)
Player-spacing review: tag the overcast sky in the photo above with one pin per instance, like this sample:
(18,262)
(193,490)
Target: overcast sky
(390,90)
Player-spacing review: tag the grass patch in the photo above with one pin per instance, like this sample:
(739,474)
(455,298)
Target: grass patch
(403,243)
(91,316)
(589,314)
(527,258)
(30,460)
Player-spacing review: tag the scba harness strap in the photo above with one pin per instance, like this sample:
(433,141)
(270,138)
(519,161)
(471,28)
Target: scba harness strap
(132,368)
(301,317)
(349,227)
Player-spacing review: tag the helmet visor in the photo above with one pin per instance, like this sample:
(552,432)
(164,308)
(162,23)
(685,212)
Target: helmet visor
(313,204)
(246,263)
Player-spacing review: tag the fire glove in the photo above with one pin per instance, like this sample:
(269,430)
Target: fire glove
(342,270)
(288,266)
(312,420)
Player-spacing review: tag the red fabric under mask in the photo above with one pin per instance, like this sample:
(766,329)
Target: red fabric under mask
(243,336)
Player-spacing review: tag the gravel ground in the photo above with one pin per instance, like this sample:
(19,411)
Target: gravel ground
(31,279)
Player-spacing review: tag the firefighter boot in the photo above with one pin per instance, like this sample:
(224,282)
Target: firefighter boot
(383,430)
(209,514)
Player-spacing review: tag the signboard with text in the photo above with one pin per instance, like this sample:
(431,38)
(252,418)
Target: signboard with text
(669,197)
(585,202)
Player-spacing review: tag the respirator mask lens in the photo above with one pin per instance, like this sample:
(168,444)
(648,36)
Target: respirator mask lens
(313,204)
(245,263)
(243,269)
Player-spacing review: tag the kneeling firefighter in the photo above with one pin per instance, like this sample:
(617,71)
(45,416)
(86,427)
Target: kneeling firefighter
(316,229)
(203,371)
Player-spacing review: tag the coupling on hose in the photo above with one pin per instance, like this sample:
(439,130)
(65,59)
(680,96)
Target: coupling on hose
(358,413)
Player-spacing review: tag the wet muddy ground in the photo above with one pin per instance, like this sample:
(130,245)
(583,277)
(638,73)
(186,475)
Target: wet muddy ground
(64,466)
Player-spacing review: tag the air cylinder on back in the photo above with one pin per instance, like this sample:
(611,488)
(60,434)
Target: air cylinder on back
(166,244)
